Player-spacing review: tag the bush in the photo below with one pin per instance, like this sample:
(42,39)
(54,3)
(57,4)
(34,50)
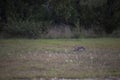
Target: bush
(116,33)
(59,31)
(29,29)
(93,32)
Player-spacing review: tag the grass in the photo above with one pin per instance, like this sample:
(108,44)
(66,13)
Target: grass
(27,59)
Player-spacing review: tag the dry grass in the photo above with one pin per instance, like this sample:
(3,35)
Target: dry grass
(27,59)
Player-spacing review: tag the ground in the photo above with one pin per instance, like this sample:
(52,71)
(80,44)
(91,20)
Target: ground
(23,59)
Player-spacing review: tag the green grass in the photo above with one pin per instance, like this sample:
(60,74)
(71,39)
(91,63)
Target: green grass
(24,58)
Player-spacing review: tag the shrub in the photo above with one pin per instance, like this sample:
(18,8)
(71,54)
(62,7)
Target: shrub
(29,29)
(59,31)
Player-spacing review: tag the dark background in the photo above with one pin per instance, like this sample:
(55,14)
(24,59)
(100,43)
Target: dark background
(59,18)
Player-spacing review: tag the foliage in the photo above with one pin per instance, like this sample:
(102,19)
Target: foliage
(30,29)
(79,14)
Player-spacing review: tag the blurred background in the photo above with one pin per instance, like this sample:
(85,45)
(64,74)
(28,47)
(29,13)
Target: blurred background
(59,18)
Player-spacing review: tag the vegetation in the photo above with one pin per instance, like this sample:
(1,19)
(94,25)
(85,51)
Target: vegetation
(29,58)
(36,18)
(49,58)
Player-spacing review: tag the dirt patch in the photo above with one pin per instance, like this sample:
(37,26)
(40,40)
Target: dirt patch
(68,65)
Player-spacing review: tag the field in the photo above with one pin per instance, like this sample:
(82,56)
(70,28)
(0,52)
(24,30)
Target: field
(24,59)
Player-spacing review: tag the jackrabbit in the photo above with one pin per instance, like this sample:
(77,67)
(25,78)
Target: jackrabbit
(79,48)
